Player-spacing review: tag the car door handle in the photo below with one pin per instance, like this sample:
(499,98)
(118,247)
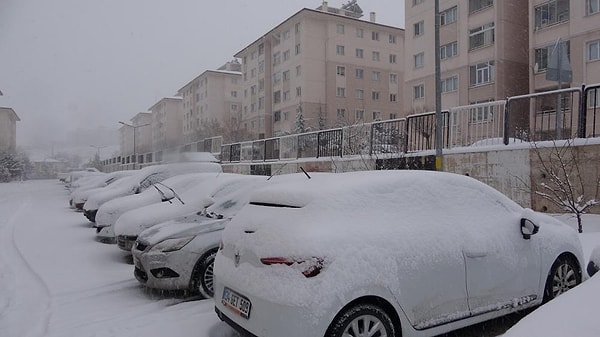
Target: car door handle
(475,254)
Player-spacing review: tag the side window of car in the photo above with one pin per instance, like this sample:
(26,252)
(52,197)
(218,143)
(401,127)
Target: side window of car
(151,179)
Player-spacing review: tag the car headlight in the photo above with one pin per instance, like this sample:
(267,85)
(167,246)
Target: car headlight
(171,245)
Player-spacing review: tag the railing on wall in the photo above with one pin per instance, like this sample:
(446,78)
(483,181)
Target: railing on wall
(551,115)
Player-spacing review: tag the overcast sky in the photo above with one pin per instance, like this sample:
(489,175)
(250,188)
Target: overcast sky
(69,64)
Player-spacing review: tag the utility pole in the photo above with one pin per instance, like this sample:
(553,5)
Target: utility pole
(134,127)
(438,93)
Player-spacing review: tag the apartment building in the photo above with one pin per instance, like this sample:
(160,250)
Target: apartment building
(141,142)
(210,102)
(483,50)
(167,124)
(8,130)
(321,68)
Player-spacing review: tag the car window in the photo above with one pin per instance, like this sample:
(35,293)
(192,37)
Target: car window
(152,179)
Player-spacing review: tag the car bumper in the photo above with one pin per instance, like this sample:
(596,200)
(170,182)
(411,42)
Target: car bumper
(166,271)
(126,242)
(90,214)
(105,234)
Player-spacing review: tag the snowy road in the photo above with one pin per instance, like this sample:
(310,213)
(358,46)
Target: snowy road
(56,280)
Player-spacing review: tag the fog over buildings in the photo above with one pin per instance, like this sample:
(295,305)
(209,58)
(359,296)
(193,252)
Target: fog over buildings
(71,69)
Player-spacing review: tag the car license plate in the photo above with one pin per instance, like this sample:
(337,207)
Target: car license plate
(236,302)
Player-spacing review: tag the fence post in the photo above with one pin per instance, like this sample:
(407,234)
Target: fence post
(582,113)
(506,120)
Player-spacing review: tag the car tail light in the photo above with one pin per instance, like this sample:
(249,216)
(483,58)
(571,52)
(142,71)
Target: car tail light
(309,267)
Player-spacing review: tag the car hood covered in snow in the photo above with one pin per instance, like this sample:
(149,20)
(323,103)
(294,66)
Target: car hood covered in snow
(175,229)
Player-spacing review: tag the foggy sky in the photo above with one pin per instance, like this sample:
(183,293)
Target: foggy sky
(72,64)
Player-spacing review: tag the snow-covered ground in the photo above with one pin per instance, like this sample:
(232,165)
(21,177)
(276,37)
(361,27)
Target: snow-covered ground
(56,280)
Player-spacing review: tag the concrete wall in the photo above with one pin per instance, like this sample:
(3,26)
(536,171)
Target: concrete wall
(516,172)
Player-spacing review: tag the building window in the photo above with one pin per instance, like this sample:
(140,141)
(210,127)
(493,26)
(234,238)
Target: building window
(360,33)
(593,98)
(475,5)
(592,7)
(298,71)
(297,28)
(359,53)
(298,49)
(449,50)
(481,36)
(261,49)
(340,28)
(360,94)
(450,84)
(482,73)
(261,67)
(234,107)
(593,50)
(298,91)
(375,75)
(286,55)
(286,76)
(416,2)
(393,39)
(234,94)
(261,103)
(551,13)
(542,54)
(341,71)
(340,50)
(286,95)
(276,58)
(393,116)
(261,84)
(419,60)
(375,36)
(375,95)
(277,97)
(277,77)
(419,91)
(340,92)
(419,28)
(360,114)
(394,78)
(341,113)
(481,114)
(253,90)
(376,115)
(375,56)
(277,116)
(360,73)
(392,58)
(393,98)
(448,16)
(286,115)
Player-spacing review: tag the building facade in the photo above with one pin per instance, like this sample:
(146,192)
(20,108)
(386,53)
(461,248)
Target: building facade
(483,51)
(210,102)
(320,69)
(167,123)
(8,130)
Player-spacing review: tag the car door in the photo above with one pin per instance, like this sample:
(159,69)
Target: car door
(503,268)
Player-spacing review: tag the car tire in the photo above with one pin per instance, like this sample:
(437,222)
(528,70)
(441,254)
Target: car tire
(203,276)
(362,320)
(564,275)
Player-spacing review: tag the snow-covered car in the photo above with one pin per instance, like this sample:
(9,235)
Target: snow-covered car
(164,191)
(179,255)
(411,253)
(194,202)
(143,179)
(93,185)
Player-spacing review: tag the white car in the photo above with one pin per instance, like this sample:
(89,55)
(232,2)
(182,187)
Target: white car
(179,255)
(95,184)
(164,191)
(143,179)
(129,225)
(387,253)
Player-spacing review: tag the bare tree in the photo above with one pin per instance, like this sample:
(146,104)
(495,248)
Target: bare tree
(565,182)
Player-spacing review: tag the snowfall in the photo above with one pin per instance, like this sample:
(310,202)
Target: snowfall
(57,280)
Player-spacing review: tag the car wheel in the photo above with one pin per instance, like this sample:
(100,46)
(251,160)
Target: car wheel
(564,275)
(203,279)
(362,320)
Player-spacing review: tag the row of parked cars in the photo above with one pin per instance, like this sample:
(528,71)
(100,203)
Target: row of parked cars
(375,253)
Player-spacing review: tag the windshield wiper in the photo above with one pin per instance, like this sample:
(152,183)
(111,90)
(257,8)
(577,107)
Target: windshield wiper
(172,190)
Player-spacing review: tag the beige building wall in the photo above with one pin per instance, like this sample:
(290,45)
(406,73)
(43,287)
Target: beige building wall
(309,63)
(8,130)
(210,101)
(167,123)
(483,48)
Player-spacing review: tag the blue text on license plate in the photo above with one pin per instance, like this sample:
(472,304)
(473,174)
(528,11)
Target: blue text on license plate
(236,302)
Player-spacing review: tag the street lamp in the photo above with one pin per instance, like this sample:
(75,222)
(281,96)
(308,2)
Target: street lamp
(134,127)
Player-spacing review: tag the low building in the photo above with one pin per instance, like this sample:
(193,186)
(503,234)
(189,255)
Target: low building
(8,130)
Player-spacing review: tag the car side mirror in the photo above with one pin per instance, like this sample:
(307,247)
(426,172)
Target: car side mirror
(528,228)
(594,265)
